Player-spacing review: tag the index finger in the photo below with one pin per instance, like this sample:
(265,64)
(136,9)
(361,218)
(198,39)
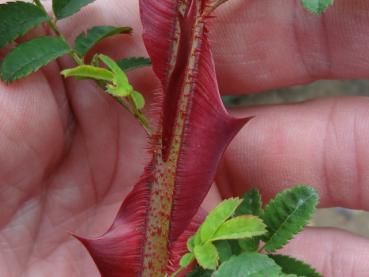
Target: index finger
(263,44)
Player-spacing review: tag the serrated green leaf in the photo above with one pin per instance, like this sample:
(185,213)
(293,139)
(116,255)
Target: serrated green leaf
(251,204)
(216,218)
(86,40)
(241,227)
(65,8)
(31,56)
(317,6)
(287,214)
(138,99)
(206,255)
(186,260)
(121,86)
(249,245)
(248,265)
(89,71)
(291,265)
(132,63)
(17,18)
(224,250)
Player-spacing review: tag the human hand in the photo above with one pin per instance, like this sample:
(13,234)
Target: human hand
(69,154)
(323,143)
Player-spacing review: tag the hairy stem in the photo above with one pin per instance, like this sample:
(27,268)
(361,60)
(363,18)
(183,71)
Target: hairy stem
(159,213)
(177,272)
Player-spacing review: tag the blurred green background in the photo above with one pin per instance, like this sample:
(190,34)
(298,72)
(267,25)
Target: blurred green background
(351,220)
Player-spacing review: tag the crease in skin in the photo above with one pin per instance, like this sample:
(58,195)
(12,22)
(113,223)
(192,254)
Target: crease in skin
(117,159)
(358,165)
(23,252)
(43,200)
(47,252)
(91,171)
(315,68)
(326,178)
(299,46)
(223,180)
(345,160)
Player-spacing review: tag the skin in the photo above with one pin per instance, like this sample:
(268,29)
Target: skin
(61,172)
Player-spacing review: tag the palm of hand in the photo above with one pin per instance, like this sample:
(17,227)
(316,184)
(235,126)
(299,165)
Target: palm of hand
(69,154)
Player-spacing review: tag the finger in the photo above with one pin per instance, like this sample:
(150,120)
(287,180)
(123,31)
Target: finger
(324,143)
(332,252)
(263,44)
(31,139)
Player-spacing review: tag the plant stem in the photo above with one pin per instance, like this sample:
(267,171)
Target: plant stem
(261,249)
(52,25)
(177,272)
(79,61)
(39,4)
(136,113)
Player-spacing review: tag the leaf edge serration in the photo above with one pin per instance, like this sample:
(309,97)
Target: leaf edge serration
(270,213)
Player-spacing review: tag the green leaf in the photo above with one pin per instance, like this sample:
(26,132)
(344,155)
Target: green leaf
(291,265)
(251,203)
(241,227)
(17,18)
(138,99)
(199,272)
(206,255)
(287,214)
(236,249)
(89,71)
(224,250)
(249,245)
(217,217)
(65,8)
(191,243)
(121,86)
(31,56)
(186,260)
(132,63)
(317,6)
(85,41)
(248,265)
